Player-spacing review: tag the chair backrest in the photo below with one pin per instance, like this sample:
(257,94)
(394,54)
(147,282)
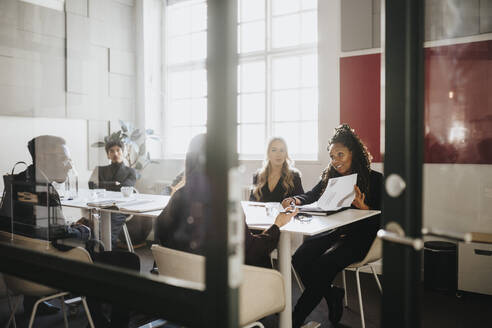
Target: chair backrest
(26,287)
(375,253)
(180,265)
(261,292)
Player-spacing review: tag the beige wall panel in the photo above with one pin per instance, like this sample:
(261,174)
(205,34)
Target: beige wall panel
(485,16)
(356,24)
(9,12)
(78,36)
(121,62)
(78,107)
(433,20)
(20,72)
(121,86)
(18,101)
(120,109)
(78,77)
(78,7)
(99,9)
(29,46)
(460,18)
(41,20)
(126,2)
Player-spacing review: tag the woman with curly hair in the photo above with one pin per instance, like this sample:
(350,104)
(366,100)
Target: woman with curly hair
(320,258)
(277,179)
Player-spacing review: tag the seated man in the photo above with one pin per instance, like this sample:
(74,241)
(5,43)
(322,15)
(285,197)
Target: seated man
(51,163)
(112,177)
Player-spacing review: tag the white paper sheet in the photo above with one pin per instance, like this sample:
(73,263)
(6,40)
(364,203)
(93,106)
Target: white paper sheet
(339,193)
(256,212)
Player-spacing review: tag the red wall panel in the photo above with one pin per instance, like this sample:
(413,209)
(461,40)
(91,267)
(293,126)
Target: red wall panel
(458,103)
(360,98)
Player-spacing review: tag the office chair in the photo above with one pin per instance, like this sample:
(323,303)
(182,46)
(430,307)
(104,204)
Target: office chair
(374,254)
(261,292)
(18,286)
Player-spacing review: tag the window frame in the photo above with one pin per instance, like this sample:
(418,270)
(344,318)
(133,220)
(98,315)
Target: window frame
(267,56)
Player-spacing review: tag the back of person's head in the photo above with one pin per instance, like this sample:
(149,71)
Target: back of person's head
(111,143)
(195,156)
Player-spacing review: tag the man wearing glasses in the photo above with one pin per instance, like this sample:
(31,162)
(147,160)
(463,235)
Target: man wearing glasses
(35,214)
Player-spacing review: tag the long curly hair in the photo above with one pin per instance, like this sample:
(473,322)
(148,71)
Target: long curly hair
(361,158)
(287,176)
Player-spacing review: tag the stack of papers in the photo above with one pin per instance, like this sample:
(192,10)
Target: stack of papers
(339,194)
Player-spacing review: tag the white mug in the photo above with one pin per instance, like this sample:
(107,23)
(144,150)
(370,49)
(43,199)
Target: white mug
(127,191)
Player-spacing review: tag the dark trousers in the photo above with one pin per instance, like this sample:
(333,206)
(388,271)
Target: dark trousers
(117,222)
(317,261)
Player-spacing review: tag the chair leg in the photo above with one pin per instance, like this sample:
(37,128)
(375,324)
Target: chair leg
(128,240)
(254,324)
(345,298)
(35,308)
(87,312)
(360,298)
(376,278)
(65,320)
(12,311)
(299,283)
(33,313)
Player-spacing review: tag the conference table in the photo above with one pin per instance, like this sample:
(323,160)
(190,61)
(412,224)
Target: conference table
(256,218)
(145,205)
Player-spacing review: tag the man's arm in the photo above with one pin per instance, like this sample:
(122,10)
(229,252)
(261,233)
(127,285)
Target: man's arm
(130,179)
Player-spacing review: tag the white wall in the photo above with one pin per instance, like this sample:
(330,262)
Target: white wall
(17,131)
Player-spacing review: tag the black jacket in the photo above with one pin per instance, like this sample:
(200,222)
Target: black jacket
(278,193)
(106,177)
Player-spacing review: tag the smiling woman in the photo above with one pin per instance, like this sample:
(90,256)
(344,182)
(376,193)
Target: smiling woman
(343,246)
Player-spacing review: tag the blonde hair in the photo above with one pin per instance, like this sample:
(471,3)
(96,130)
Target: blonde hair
(287,173)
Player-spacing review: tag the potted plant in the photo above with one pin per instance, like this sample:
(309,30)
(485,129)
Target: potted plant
(137,157)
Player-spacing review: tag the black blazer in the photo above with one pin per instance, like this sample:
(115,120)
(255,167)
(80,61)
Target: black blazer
(106,177)
(278,193)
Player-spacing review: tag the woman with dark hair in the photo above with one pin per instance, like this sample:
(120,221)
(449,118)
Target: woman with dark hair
(320,258)
(182,224)
(278,178)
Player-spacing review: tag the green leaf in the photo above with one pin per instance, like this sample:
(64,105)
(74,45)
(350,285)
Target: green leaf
(153,137)
(106,139)
(98,144)
(138,166)
(154,161)
(149,131)
(136,135)
(124,126)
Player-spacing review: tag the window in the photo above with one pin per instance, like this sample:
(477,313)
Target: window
(186,45)
(277,76)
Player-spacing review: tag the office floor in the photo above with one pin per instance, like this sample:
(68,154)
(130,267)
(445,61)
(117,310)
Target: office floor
(437,309)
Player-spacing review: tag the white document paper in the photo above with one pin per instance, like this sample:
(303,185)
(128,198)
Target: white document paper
(256,212)
(339,193)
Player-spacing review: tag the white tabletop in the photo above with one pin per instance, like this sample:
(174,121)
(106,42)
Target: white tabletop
(256,218)
(84,198)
